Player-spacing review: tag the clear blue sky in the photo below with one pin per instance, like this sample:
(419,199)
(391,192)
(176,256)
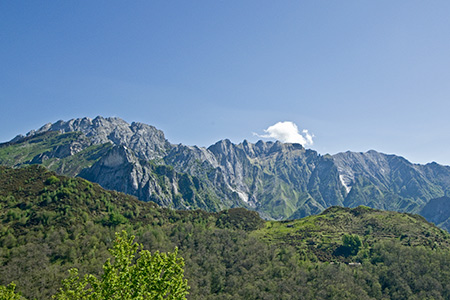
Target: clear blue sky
(359,75)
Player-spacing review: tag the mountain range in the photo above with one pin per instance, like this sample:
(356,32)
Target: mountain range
(278,180)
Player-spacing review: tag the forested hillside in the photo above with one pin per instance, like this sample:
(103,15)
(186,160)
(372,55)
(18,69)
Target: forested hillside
(51,223)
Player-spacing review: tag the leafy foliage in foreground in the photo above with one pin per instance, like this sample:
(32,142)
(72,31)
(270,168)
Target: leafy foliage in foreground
(157,276)
(49,226)
(8,292)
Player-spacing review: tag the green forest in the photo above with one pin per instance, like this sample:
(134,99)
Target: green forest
(52,224)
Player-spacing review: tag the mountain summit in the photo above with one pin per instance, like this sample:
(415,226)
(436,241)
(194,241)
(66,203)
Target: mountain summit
(279,180)
(145,140)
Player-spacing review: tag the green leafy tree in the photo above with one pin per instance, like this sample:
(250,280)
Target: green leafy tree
(8,292)
(352,243)
(150,276)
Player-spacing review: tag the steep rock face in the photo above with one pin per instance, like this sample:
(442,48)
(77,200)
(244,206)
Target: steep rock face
(234,165)
(325,185)
(440,175)
(438,211)
(191,159)
(277,178)
(145,140)
(203,165)
(120,169)
(386,181)
(374,165)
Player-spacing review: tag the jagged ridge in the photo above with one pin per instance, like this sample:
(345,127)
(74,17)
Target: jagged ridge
(279,180)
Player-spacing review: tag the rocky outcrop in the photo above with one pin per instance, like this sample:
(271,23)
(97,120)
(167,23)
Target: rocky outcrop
(72,147)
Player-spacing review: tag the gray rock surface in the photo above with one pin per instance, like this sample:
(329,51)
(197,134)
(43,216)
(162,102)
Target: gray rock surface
(146,141)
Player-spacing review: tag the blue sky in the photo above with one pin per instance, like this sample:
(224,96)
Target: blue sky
(358,75)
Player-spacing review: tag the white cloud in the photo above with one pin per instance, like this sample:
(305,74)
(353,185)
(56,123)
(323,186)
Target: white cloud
(287,132)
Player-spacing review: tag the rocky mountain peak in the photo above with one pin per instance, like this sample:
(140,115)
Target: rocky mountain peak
(223,146)
(145,140)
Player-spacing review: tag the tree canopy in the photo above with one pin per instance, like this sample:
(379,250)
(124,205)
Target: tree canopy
(149,276)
